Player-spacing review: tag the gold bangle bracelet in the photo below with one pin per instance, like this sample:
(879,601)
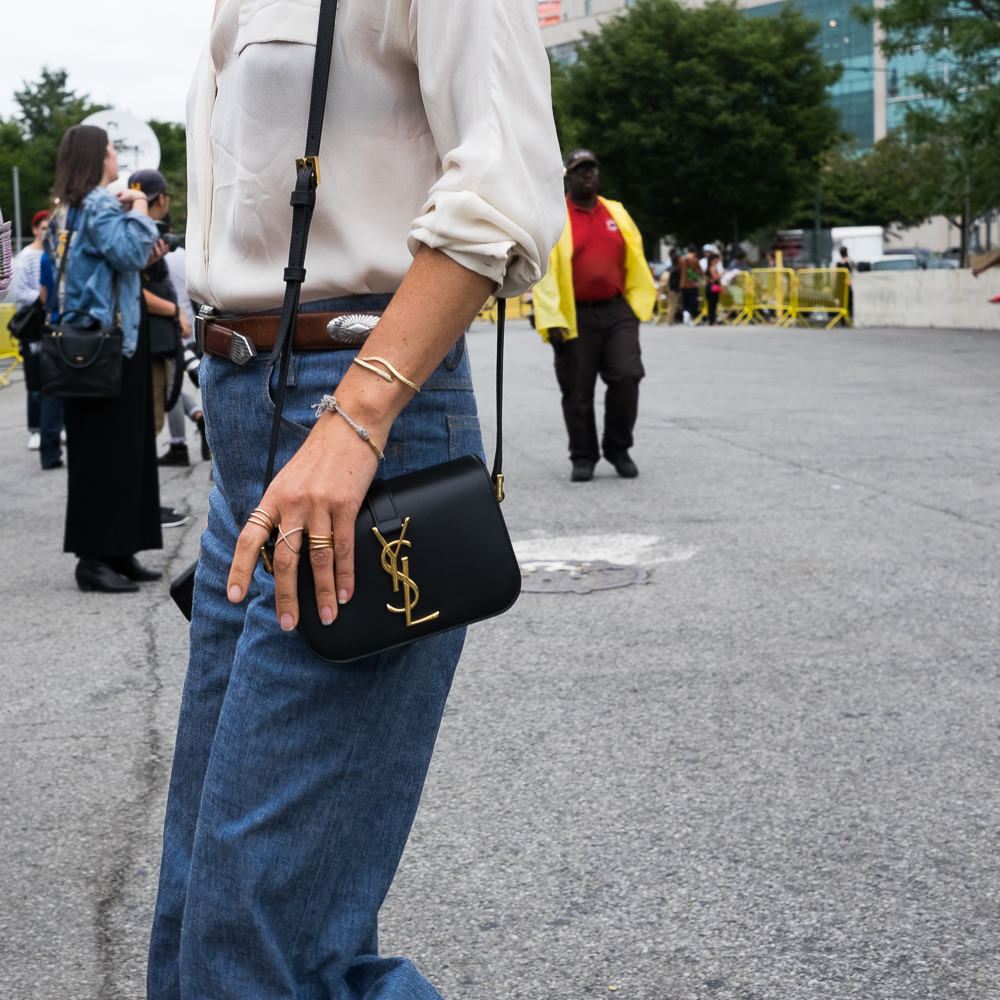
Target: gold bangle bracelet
(388,376)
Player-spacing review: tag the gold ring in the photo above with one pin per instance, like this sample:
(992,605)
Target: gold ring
(321,542)
(262,519)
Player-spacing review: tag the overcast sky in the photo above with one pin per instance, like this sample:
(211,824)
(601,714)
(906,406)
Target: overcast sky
(136,56)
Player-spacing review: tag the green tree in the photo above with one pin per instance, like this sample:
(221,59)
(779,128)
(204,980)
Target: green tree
(173,166)
(30,140)
(892,183)
(958,121)
(707,123)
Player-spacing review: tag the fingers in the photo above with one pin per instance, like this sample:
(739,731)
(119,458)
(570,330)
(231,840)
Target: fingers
(343,556)
(321,556)
(255,532)
(290,542)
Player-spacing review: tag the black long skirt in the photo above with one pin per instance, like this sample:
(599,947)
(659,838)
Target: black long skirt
(113,499)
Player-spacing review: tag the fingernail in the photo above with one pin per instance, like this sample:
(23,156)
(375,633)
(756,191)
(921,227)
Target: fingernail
(235,594)
(287,623)
(326,616)
(342,597)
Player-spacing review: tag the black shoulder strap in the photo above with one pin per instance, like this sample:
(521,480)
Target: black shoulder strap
(303,202)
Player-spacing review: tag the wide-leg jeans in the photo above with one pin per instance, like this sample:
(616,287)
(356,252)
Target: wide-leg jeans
(295,781)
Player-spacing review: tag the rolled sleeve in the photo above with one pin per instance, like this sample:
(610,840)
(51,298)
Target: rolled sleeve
(497,207)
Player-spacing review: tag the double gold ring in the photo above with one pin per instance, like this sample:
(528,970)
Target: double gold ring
(320,542)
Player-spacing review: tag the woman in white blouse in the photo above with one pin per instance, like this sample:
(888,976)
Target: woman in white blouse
(295,781)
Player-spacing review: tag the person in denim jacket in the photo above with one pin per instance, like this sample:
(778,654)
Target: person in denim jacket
(99,243)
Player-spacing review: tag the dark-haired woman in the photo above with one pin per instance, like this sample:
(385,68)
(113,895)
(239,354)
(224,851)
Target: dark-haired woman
(112,504)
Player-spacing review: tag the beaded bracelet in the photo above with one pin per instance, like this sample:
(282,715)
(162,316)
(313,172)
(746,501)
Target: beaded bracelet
(330,404)
(388,376)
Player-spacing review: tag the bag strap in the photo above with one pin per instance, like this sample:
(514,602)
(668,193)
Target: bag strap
(303,203)
(59,291)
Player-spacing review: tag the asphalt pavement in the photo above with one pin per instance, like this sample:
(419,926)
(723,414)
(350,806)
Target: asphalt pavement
(738,740)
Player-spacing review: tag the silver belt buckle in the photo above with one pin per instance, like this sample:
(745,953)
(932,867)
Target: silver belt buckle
(241,349)
(205,313)
(351,330)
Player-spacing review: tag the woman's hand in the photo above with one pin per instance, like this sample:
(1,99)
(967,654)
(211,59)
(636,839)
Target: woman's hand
(158,252)
(133,200)
(319,492)
(316,495)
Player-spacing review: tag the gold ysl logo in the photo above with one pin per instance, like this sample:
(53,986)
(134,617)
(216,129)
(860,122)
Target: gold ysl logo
(391,562)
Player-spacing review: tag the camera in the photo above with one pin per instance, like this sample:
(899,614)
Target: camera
(172,240)
(191,362)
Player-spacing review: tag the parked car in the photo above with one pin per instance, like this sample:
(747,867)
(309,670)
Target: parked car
(896,262)
(926,259)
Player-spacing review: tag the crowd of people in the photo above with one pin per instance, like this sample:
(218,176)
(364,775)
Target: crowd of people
(690,271)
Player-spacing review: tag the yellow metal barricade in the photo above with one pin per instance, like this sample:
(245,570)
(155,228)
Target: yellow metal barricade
(774,291)
(702,313)
(822,296)
(736,300)
(9,356)
(517,308)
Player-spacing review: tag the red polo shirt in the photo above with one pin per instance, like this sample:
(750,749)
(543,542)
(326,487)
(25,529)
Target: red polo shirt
(598,253)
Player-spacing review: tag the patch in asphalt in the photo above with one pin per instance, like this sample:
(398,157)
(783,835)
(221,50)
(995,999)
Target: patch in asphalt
(581,564)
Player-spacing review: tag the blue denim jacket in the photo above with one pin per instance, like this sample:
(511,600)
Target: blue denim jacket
(109,249)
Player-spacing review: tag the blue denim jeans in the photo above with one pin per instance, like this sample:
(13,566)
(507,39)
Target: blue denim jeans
(295,781)
(50,409)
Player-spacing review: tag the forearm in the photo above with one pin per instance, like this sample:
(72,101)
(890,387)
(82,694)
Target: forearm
(435,303)
(159,306)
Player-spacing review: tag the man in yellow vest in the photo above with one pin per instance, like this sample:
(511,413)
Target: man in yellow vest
(588,307)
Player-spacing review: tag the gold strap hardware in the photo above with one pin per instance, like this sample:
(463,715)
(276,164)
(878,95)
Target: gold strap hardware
(498,486)
(308,161)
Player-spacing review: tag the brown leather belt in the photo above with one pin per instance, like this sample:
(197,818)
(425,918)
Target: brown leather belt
(241,338)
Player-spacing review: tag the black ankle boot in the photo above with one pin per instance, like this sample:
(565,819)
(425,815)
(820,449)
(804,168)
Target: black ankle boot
(132,569)
(96,574)
(176,454)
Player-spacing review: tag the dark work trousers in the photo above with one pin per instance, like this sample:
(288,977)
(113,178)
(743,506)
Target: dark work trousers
(607,345)
(689,301)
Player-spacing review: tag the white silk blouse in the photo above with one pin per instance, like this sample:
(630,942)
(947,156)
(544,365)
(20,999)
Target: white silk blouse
(438,131)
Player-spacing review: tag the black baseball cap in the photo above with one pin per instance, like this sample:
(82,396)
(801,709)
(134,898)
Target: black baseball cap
(579,156)
(149,182)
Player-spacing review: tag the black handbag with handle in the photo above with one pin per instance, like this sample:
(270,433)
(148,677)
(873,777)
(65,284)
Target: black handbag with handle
(80,361)
(431,549)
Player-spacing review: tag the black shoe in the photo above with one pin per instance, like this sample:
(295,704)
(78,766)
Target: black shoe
(57,464)
(95,574)
(132,569)
(624,465)
(176,454)
(170,518)
(206,452)
(583,471)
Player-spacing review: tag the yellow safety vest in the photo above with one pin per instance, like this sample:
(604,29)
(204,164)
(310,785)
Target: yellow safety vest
(555,305)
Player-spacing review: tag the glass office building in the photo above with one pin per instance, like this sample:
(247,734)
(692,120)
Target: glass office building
(871,95)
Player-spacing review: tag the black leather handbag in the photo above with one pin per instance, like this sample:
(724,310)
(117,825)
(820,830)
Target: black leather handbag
(28,322)
(79,363)
(431,549)
(75,361)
